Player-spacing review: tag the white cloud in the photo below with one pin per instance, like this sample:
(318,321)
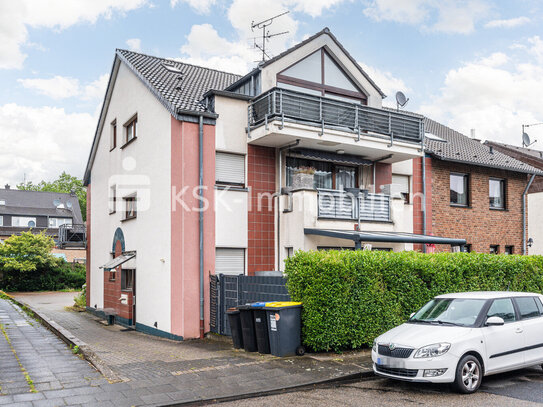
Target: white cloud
(388,83)
(205,47)
(134,44)
(200,6)
(494,95)
(42,142)
(508,23)
(96,89)
(448,16)
(16,16)
(60,87)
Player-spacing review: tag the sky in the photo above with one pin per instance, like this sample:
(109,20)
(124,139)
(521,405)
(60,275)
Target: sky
(471,64)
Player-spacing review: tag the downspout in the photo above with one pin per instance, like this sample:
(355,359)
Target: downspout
(423,189)
(524,248)
(279,201)
(201,217)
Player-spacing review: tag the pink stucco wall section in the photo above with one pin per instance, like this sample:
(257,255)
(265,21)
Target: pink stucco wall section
(185,273)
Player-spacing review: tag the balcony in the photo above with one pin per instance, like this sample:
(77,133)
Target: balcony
(363,206)
(74,236)
(353,122)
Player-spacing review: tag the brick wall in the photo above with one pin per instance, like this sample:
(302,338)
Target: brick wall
(112,291)
(261,233)
(478,224)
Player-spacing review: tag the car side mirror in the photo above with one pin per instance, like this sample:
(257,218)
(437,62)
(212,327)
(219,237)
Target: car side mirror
(494,321)
(411,316)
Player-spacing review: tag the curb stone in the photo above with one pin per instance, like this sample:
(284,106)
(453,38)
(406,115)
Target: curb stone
(279,390)
(72,341)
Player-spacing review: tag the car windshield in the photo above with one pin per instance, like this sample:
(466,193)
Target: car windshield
(449,311)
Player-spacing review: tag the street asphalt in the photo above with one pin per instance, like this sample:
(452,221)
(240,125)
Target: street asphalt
(518,389)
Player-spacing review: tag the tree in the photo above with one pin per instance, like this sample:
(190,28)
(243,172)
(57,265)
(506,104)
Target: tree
(27,253)
(64,184)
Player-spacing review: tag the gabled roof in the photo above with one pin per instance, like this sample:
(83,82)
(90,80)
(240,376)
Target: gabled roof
(447,144)
(326,31)
(40,203)
(528,155)
(457,147)
(180,85)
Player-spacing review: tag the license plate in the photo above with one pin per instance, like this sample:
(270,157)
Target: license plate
(390,362)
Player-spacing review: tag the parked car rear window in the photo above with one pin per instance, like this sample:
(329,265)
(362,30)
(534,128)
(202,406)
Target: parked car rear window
(502,308)
(527,307)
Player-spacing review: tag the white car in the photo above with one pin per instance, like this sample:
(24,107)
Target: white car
(459,338)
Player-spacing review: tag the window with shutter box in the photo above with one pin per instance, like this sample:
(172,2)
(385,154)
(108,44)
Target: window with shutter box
(229,261)
(230,168)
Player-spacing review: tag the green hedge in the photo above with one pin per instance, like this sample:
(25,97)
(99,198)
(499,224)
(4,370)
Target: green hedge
(59,277)
(351,297)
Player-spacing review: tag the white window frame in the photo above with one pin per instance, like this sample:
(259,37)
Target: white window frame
(230,168)
(56,225)
(112,199)
(27,220)
(1,220)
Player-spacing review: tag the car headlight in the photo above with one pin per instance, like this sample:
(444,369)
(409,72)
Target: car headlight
(430,351)
(374,346)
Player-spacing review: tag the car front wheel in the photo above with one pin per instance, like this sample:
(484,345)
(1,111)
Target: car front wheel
(468,375)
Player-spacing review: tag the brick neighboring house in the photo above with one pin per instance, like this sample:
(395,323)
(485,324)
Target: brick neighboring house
(535,193)
(55,214)
(473,191)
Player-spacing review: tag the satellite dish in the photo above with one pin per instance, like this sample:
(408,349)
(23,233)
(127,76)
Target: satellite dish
(69,205)
(526,140)
(56,202)
(401,100)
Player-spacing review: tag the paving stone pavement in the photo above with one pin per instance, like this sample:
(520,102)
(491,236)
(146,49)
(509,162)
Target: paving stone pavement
(160,371)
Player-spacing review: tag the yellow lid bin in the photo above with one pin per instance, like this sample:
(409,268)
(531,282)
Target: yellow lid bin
(282,304)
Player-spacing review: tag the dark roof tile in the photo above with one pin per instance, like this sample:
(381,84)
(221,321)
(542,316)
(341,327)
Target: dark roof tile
(182,86)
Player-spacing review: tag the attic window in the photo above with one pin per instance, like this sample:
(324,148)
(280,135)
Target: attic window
(172,68)
(434,137)
(2,202)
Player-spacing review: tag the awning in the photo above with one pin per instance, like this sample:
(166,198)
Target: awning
(384,237)
(117,261)
(330,156)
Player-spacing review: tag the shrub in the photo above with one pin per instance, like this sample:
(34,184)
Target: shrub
(26,264)
(351,297)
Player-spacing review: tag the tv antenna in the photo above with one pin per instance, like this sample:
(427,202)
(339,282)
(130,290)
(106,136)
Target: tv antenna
(266,34)
(401,100)
(526,141)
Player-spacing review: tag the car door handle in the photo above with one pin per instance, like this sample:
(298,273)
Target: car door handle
(519,330)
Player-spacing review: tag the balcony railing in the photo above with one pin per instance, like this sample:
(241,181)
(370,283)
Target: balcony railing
(72,236)
(334,204)
(287,105)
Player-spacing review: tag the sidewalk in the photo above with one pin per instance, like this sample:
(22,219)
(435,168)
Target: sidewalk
(161,371)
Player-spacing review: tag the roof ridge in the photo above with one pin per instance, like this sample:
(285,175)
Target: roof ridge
(176,61)
(31,190)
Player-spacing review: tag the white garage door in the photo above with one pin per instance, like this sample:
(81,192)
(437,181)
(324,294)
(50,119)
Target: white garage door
(230,261)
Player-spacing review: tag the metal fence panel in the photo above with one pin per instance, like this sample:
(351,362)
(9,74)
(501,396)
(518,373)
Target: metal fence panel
(230,291)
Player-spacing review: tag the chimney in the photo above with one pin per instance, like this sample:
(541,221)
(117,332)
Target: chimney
(7,186)
(472,131)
